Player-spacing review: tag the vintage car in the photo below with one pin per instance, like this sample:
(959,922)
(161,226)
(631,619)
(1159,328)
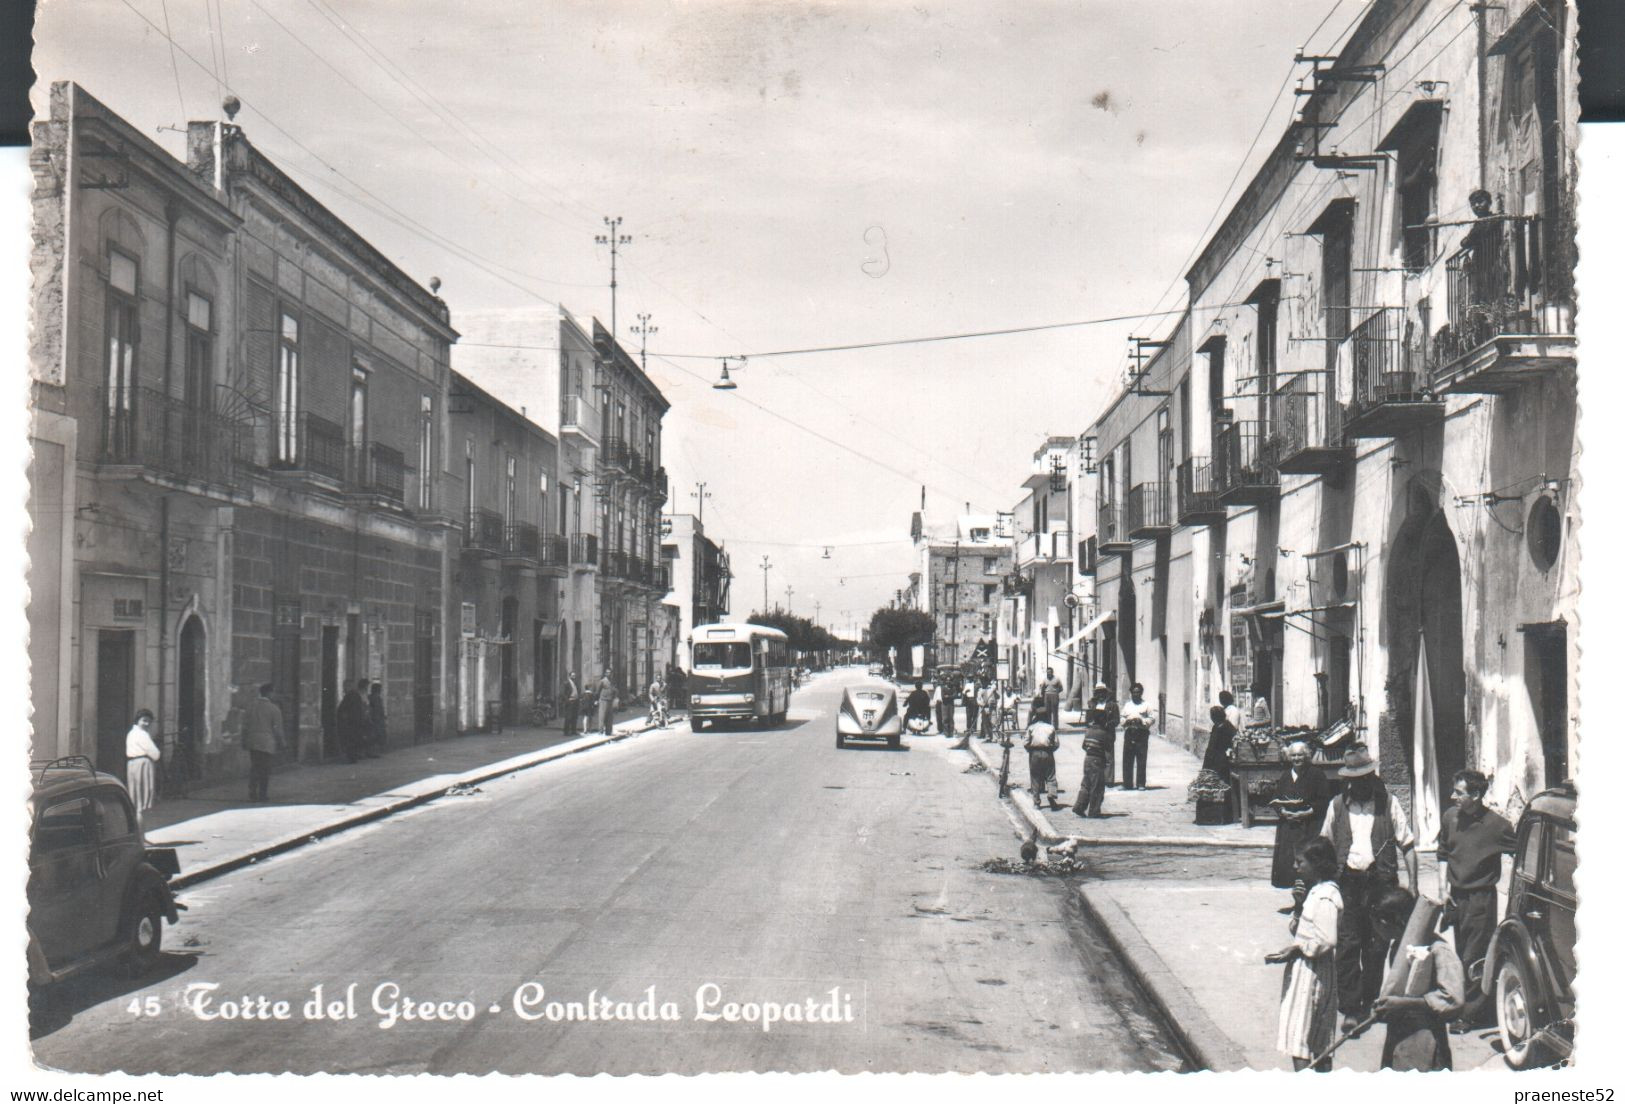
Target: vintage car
(96,892)
(869,712)
(1529,968)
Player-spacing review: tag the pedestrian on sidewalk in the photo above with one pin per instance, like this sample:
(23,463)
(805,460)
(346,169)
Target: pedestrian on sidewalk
(657,702)
(1471,840)
(971,703)
(1370,831)
(1301,795)
(606,705)
(1423,989)
(1102,715)
(1042,740)
(1309,989)
(987,700)
(1052,691)
(1136,737)
(379,721)
(141,757)
(572,704)
(354,723)
(262,736)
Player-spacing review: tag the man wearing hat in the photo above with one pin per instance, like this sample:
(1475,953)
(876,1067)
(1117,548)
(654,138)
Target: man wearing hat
(1370,831)
(1099,732)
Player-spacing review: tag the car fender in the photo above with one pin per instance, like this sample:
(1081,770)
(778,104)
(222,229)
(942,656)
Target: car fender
(147,879)
(39,970)
(1512,939)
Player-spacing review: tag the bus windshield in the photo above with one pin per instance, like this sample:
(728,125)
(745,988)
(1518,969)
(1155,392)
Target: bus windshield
(722,655)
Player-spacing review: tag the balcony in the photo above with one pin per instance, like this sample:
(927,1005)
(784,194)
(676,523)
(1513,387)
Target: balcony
(1243,471)
(321,449)
(1308,437)
(1391,393)
(379,472)
(1510,306)
(553,552)
(1044,548)
(169,438)
(485,535)
(662,578)
(1197,501)
(583,551)
(1112,531)
(1149,516)
(578,418)
(612,563)
(523,544)
(1088,556)
(616,457)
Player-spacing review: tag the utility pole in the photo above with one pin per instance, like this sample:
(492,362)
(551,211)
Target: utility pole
(818,608)
(643,330)
(790,599)
(767,566)
(700,493)
(614,239)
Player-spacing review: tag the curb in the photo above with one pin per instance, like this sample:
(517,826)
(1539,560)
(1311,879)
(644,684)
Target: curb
(1048,834)
(1205,1045)
(473,778)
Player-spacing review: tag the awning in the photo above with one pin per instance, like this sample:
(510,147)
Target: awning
(1085,631)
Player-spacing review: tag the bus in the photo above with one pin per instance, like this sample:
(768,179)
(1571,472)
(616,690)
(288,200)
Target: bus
(739,672)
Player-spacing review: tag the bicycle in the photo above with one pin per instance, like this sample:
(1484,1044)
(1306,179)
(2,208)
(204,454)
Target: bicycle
(542,711)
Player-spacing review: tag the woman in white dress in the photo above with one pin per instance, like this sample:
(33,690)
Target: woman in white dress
(1309,990)
(141,756)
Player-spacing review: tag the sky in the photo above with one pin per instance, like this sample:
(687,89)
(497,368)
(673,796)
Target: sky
(792,175)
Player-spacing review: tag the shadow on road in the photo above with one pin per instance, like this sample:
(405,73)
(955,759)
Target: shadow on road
(53,1008)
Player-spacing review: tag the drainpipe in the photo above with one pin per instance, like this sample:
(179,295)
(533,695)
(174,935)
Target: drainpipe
(1480,16)
(172,215)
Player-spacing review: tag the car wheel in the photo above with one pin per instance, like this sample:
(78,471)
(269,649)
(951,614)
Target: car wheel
(840,739)
(1515,999)
(894,742)
(144,941)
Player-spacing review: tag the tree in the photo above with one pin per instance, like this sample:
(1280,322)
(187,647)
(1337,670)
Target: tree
(900,629)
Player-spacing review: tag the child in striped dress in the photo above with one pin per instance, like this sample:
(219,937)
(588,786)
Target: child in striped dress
(1309,990)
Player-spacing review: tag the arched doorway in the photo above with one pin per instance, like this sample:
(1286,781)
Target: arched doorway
(189,699)
(1424,614)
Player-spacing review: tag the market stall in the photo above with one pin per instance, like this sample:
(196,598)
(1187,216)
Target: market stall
(1259,756)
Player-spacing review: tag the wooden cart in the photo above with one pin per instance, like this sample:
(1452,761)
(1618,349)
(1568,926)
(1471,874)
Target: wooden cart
(1253,760)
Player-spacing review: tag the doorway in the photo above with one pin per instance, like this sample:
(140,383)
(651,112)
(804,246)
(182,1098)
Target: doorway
(115,697)
(509,661)
(330,689)
(1546,674)
(189,700)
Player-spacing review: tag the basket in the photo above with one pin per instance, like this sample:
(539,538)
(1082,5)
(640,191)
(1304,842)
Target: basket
(1213,812)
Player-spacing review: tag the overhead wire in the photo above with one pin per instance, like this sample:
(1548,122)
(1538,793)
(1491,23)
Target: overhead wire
(174,66)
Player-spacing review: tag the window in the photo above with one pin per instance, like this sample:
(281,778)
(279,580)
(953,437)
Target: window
(1562,860)
(980,534)
(358,408)
(468,473)
(734,655)
(1336,229)
(113,816)
(425,451)
(988,591)
(1529,855)
(1267,299)
(63,826)
(510,491)
(285,403)
(541,498)
(122,277)
(199,350)
(990,565)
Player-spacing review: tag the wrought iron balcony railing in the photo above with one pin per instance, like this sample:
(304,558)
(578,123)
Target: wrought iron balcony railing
(615,455)
(578,416)
(1244,471)
(321,448)
(1390,392)
(1112,529)
(524,541)
(584,549)
(1198,497)
(1148,510)
(148,429)
(1307,432)
(485,532)
(1511,279)
(380,471)
(553,551)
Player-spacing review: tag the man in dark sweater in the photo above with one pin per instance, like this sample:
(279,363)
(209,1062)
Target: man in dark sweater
(1471,841)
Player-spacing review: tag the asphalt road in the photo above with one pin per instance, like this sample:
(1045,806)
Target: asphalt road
(763,869)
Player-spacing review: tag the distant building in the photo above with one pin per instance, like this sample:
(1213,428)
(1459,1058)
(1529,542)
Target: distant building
(700,580)
(962,569)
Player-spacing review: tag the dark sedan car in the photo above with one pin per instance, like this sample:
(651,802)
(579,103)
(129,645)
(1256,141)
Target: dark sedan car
(869,712)
(96,892)
(1530,965)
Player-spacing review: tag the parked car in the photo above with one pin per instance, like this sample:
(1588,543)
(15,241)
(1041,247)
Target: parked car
(1529,969)
(869,712)
(96,892)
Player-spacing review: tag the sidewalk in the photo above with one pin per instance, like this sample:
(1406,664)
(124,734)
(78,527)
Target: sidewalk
(214,829)
(1196,946)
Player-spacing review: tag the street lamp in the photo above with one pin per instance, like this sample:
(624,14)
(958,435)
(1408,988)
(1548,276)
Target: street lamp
(725,383)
